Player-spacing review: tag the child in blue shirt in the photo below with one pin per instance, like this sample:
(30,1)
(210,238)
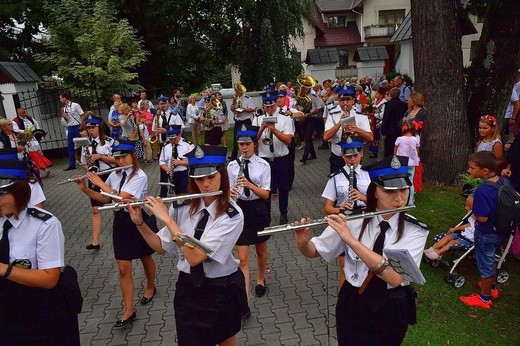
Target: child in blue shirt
(483,165)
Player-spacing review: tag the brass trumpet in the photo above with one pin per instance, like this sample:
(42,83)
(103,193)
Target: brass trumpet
(178,199)
(208,117)
(319,222)
(304,102)
(106,171)
(155,137)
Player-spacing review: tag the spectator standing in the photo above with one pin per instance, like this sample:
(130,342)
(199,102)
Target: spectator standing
(73,114)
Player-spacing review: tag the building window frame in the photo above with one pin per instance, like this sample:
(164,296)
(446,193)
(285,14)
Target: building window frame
(386,17)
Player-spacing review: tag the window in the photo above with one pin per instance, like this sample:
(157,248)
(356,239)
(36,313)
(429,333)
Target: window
(391,17)
(336,22)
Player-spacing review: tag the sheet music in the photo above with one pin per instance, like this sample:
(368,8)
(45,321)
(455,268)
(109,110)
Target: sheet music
(404,265)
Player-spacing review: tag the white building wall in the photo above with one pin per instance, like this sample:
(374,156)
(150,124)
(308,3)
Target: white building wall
(9,89)
(404,63)
(466,41)
(370,68)
(371,9)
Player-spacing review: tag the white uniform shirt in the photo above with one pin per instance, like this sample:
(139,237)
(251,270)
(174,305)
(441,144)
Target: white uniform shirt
(285,125)
(137,186)
(221,234)
(37,195)
(74,113)
(259,174)
(317,103)
(171,119)
(100,149)
(337,187)
(247,102)
(515,96)
(331,108)
(182,149)
(362,123)
(330,246)
(41,242)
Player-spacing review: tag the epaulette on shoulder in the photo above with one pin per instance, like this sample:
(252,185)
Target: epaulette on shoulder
(109,139)
(190,143)
(32,181)
(231,211)
(39,214)
(360,113)
(247,97)
(409,218)
(166,143)
(334,173)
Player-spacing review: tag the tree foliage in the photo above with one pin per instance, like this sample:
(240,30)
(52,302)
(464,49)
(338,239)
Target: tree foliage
(89,48)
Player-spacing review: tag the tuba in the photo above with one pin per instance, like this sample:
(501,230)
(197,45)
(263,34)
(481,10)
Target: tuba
(239,89)
(303,100)
(208,116)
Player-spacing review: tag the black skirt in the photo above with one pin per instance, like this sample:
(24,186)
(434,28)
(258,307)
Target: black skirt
(128,242)
(211,313)
(256,218)
(212,137)
(357,324)
(93,202)
(36,316)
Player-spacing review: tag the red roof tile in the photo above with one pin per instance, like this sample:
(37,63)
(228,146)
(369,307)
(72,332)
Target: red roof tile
(330,37)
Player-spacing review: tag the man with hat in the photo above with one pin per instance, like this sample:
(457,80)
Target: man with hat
(341,124)
(173,161)
(339,195)
(289,111)
(167,118)
(275,134)
(243,115)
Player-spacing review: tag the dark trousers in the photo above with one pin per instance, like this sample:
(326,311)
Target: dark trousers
(291,157)
(280,172)
(336,162)
(390,145)
(72,132)
(309,145)
(164,178)
(238,125)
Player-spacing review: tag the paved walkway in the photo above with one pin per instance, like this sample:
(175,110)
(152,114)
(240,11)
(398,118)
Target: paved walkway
(298,308)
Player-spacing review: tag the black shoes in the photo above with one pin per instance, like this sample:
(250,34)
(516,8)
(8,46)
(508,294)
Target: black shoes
(93,247)
(312,157)
(122,323)
(69,168)
(145,300)
(283,219)
(323,147)
(260,290)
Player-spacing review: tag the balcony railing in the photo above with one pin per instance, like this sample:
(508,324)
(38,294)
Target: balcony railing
(383,30)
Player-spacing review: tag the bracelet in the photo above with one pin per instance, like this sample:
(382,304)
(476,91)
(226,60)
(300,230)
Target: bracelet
(383,272)
(379,265)
(8,271)
(142,222)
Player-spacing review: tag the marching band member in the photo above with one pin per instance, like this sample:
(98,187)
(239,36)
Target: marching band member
(33,307)
(128,242)
(99,159)
(339,195)
(293,114)
(243,115)
(251,190)
(209,294)
(375,308)
(272,147)
(37,196)
(168,117)
(335,130)
(173,161)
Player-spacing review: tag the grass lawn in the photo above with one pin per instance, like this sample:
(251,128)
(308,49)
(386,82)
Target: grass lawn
(442,318)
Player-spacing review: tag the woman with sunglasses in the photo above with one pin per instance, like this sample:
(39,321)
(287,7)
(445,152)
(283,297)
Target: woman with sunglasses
(33,310)
(129,183)
(210,293)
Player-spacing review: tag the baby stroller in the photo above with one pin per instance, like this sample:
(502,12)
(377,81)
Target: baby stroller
(454,278)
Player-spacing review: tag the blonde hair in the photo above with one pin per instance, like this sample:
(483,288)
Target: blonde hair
(491,121)
(122,107)
(417,98)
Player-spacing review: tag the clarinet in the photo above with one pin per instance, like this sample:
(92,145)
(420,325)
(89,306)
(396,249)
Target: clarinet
(350,185)
(241,168)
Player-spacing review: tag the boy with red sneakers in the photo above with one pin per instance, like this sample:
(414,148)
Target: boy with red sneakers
(483,164)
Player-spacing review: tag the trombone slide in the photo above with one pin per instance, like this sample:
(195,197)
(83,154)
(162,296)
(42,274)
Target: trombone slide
(319,222)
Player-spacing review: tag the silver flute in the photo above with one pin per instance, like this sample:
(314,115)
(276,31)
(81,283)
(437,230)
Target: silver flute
(106,171)
(119,205)
(324,221)
(192,242)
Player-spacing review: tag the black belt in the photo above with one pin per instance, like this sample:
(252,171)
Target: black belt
(274,158)
(220,281)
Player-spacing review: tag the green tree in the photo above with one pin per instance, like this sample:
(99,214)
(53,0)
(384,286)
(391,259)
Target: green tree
(91,49)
